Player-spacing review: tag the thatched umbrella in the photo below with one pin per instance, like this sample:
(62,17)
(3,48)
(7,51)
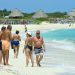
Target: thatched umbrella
(72,13)
(40,14)
(15,14)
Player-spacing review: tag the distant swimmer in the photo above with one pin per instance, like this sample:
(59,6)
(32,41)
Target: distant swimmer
(29,49)
(70,25)
(6,38)
(38,47)
(16,44)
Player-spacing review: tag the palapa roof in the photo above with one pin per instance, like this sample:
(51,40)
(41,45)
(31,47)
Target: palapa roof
(72,13)
(40,14)
(16,13)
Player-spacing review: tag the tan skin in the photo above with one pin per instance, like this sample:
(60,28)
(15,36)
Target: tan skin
(0,50)
(38,43)
(16,37)
(28,53)
(6,38)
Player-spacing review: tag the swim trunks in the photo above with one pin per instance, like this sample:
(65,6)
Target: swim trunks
(38,50)
(16,43)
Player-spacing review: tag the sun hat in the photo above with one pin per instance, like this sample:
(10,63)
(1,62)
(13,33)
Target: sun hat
(29,33)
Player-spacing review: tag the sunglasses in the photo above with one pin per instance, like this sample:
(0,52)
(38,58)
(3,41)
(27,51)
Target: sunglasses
(37,33)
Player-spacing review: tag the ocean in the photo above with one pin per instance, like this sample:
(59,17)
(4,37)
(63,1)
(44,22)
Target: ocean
(63,34)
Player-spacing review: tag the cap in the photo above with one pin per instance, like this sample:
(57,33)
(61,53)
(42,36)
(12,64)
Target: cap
(29,33)
(38,32)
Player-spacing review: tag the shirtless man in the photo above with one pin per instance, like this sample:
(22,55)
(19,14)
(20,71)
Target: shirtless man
(38,47)
(3,28)
(16,39)
(29,49)
(6,38)
(0,49)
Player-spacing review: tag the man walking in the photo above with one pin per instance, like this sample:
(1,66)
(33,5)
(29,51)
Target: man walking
(6,38)
(38,47)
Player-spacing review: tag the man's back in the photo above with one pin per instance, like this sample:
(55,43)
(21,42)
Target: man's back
(6,35)
(16,37)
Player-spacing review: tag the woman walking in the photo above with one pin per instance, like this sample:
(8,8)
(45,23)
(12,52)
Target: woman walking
(29,48)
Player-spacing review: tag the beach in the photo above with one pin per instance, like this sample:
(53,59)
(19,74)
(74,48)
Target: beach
(42,26)
(58,58)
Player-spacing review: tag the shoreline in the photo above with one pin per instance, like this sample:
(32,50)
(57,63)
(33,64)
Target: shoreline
(44,26)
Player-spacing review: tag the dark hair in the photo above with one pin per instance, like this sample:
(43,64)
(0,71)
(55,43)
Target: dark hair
(3,28)
(9,27)
(17,32)
(29,35)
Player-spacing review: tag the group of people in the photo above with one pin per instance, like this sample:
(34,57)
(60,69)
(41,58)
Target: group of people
(35,44)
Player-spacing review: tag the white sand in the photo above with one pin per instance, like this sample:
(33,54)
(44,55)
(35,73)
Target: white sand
(42,26)
(19,64)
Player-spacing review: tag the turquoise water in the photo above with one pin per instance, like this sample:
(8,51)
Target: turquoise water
(64,34)
(58,35)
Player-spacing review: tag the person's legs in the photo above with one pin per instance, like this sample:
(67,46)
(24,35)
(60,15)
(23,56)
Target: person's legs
(15,54)
(14,51)
(31,57)
(3,51)
(40,58)
(4,57)
(37,61)
(37,55)
(7,46)
(41,55)
(0,52)
(27,56)
(7,57)
(17,50)
(0,57)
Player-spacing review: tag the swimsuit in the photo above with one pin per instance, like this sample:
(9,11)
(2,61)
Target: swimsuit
(29,47)
(16,43)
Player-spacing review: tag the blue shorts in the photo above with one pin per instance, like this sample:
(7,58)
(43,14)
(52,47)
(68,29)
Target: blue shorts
(16,43)
(0,45)
(38,50)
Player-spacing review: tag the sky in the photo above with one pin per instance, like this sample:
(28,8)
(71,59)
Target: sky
(29,6)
